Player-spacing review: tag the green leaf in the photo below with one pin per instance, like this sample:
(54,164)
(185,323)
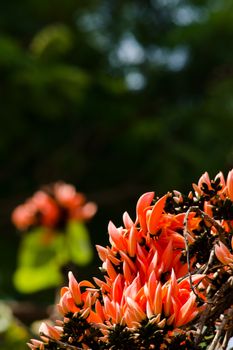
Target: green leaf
(40,246)
(33,279)
(52,40)
(79,245)
(41,255)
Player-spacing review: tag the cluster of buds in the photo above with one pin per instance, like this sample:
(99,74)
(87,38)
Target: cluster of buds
(161,273)
(52,207)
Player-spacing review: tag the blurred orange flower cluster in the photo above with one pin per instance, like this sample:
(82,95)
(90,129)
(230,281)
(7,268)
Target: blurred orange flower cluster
(52,207)
(157,276)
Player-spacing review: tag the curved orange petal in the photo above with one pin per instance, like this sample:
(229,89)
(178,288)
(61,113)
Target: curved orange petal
(74,288)
(128,222)
(222,253)
(186,310)
(143,202)
(158,299)
(115,236)
(230,184)
(156,214)
(132,242)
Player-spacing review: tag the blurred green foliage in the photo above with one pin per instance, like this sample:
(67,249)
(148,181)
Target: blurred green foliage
(117,97)
(12,334)
(43,253)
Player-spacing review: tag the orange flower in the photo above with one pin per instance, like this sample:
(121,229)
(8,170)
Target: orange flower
(36,345)
(204,180)
(52,332)
(24,216)
(230,184)
(223,254)
(52,207)
(47,208)
(205,184)
(146,276)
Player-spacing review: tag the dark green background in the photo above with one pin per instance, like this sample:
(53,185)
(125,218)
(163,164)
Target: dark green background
(116,97)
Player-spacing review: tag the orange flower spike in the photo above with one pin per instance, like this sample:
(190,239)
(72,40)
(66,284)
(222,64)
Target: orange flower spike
(192,315)
(67,304)
(115,237)
(62,306)
(143,203)
(99,310)
(129,261)
(88,301)
(133,288)
(47,207)
(119,314)
(149,311)
(129,317)
(102,252)
(92,317)
(196,189)
(36,345)
(74,289)
(223,254)
(138,312)
(86,283)
(182,269)
(112,257)
(208,210)
(52,332)
(156,214)
(186,310)
(128,222)
(178,196)
(65,194)
(152,284)
(141,297)
(110,270)
(86,212)
(167,300)
(222,180)
(171,319)
(204,179)
(158,300)
(153,264)
(174,284)
(178,220)
(175,305)
(127,272)
(24,216)
(230,185)
(141,255)
(177,239)
(109,309)
(193,222)
(167,256)
(85,313)
(105,288)
(63,291)
(185,283)
(117,289)
(142,267)
(132,242)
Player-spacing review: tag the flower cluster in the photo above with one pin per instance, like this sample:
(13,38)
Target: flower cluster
(161,273)
(52,207)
